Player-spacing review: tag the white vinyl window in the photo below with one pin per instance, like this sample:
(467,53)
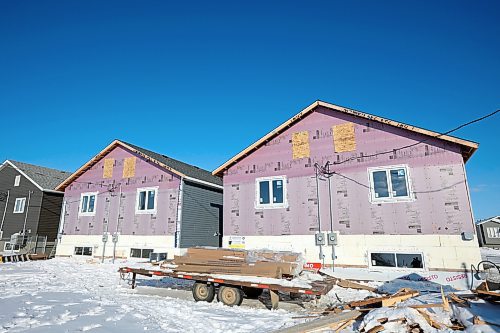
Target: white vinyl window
(493,232)
(140,253)
(146,200)
(88,203)
(17,180)
(397,260)
(11,247)
(270,192)
(389,184)
(83,250)
(19,205)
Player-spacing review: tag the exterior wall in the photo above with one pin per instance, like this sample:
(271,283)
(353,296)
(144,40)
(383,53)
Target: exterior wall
(50,215)
(483,234)
(14,222)
(116,202)
(441,204)
(436,171)
(201,215)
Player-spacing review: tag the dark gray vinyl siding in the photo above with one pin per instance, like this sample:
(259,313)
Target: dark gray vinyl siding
(14,222)
(201,215)
(50,215)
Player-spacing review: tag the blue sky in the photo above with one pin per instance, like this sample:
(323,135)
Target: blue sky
(199,81)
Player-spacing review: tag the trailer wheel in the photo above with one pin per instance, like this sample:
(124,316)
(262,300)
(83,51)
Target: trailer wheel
(252,293)
(203,292)
(230,296)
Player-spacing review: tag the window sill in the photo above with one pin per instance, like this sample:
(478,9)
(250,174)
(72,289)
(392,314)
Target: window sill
(271,206)
(86,214)
(391,200)
(145,212)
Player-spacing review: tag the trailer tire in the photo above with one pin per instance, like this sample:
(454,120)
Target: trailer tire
(252,293)
(203,292)
(230,296)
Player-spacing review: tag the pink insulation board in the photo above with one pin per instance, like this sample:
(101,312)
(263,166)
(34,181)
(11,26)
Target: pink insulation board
(110,208)
(438,183)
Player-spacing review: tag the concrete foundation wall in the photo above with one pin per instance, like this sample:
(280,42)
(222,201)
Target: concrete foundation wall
(165,243)
(440,252)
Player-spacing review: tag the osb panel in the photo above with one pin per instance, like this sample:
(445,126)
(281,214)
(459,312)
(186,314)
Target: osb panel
(300,145)
(343,138)
(129,167)
(108,168)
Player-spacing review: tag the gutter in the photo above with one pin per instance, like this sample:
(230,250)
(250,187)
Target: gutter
(203,182)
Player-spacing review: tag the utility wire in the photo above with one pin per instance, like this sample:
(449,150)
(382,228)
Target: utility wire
(418,142)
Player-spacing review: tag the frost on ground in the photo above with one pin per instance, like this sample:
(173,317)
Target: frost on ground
(64,295)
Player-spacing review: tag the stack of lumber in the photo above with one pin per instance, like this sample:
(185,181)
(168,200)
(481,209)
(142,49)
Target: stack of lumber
(263,263)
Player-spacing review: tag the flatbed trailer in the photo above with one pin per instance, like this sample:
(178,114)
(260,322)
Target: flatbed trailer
(230,291)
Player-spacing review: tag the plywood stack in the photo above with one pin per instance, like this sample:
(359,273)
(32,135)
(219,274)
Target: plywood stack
(264,263)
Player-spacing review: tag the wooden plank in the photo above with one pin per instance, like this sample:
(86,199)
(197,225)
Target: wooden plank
(325,321)
(431,321)
(353,285)
(376,329)
(344,139)
(300,145)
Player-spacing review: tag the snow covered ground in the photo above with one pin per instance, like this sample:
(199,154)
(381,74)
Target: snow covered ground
(67,295)
(64,295)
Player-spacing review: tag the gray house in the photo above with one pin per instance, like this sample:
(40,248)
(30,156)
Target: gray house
(488,232)
(29,206)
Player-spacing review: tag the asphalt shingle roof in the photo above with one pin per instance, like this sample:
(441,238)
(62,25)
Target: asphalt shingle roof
(187,169)
(46,178)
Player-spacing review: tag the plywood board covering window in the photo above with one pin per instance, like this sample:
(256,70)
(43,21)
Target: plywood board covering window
(300,145)
(344,139)
(108,168)
(129,167)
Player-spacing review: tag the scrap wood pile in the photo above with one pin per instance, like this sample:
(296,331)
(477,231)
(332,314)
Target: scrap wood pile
(263,263)
(386,313)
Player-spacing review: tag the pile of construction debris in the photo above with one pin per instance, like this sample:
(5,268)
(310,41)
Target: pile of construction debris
(403,311)
(263,263)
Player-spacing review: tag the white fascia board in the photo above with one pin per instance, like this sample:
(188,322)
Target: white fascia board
(22,173)
(203,182)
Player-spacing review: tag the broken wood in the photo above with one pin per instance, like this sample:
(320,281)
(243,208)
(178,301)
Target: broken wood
(321,322)
(425,306)
(446,305)
(344,325)
(376,329)
(430,321)
(353,285)
(401,295)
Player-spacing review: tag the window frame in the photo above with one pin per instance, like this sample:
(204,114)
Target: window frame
(23,205)
(395,253)
(271,205)
(17,181)
(146,210)
(83,250)
(391,199)
(80,205)
(493,232)
(142,251)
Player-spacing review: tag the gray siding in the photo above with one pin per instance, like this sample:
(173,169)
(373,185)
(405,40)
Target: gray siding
(201,223)
(484,240)
(50,215)
(14,222)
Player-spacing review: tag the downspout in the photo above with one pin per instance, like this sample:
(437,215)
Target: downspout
(179,213)
(4,211)
(61,225)
(26,215)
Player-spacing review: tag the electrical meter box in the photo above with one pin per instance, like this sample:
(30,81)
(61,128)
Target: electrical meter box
(104,238)
(320,238)
(115,238)
(332,238)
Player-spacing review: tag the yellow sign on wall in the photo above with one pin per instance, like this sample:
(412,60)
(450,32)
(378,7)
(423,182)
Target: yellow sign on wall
(108,168)
(129,167)
(300,145)
(343,138)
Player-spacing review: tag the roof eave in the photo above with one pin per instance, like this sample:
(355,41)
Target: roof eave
(472,146)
